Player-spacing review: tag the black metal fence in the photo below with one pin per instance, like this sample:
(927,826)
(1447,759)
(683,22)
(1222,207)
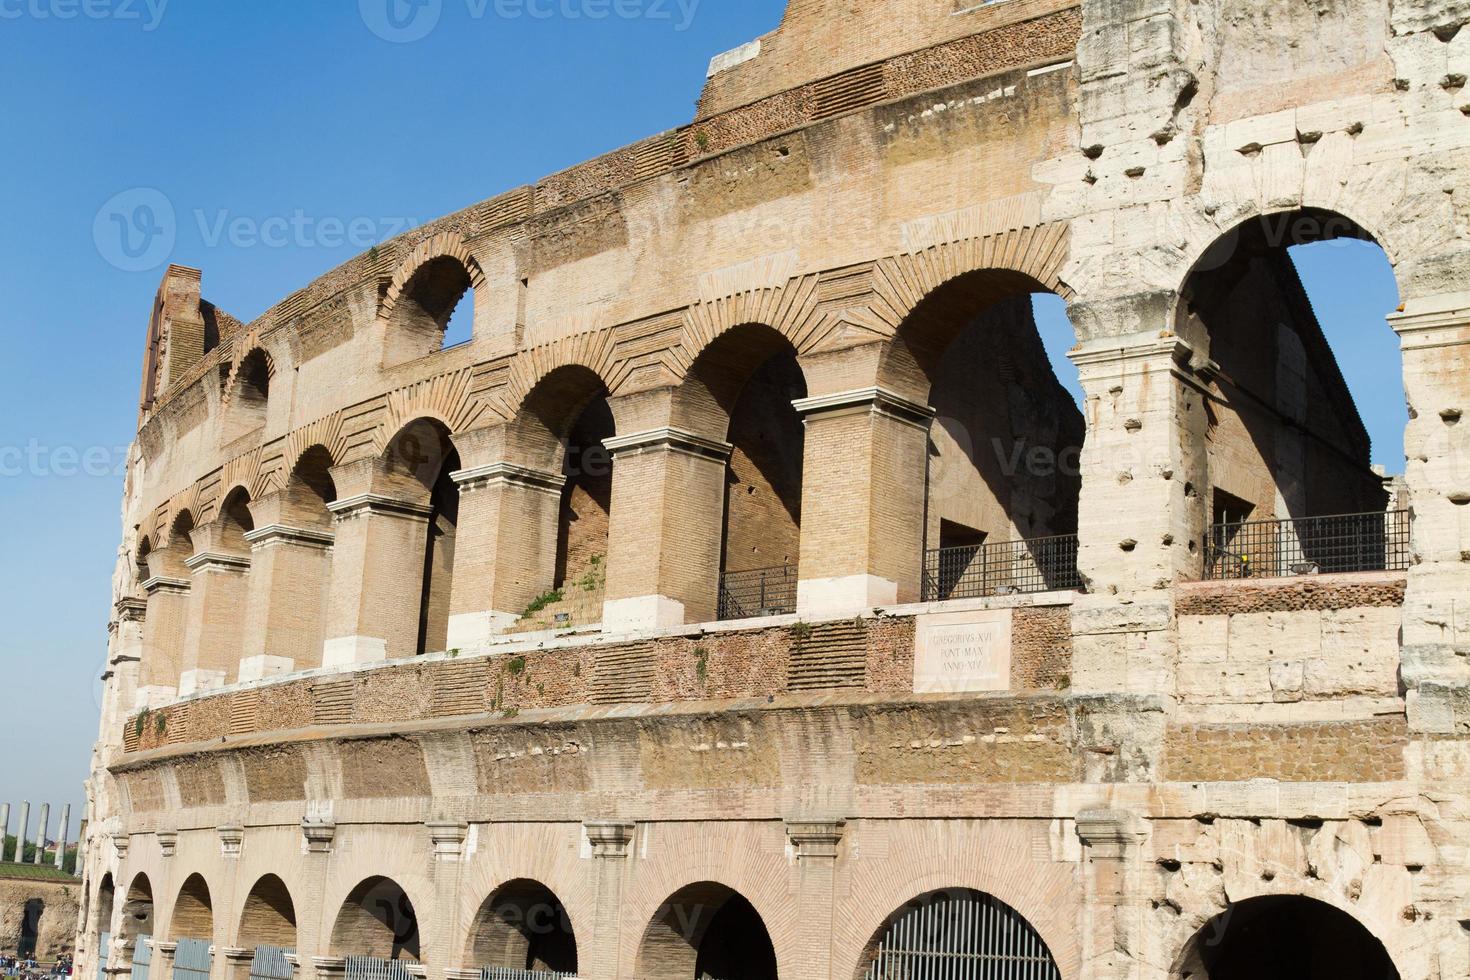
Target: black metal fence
(1375,542)
(758,592)
(1004,568)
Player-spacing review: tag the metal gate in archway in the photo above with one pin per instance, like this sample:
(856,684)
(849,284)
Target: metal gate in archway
(373,968)
(104,949)
(270,963)
(192,959)
(963,935)
(142,957)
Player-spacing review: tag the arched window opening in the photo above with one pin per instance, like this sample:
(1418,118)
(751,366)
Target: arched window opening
(248,396)
(377,922)
(1284,937)
(1292,485)
(30,928)
(740,391)
(106,899)
(193,916)
(963,934)
(422,459)
(238,521)
(707,930)
(986,351)
(310,489)
(523,927)
(268,926)
(141,565)
(435,310)
(558,435)
(137,914)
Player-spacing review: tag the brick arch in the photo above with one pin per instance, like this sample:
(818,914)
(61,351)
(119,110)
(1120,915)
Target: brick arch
(378,917)
(791,309)
(520,915)
(740,859)
(445,245)
(138,917)
(268,917)
(247,349)
(327,433)
(535,852)
(192,914)
(593,351)
(992,860)
(671,945)
(705,400)
(537,432)
(447,399)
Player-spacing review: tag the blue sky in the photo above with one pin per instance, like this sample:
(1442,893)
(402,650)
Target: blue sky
(298,112)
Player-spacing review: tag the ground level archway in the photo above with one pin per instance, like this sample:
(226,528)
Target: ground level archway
(958,933)
(706,930)
(523,926)
(1285,937)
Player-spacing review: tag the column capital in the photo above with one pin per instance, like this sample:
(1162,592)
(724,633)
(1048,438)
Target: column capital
(120,842)
(164,947)
(508,474)
(231,840)
(216,561)
(876,400)
(272,534)
(448,838)
(168,842)
(164,585)
(319,835)
(131,610)
(237,954)
(379,504)
(1109,834)
(815,839)
(609,838)
(329,967)
(672,439)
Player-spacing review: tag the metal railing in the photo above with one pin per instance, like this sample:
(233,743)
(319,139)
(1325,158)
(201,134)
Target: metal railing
(962,937)
(1003,568)
(373,968)
(759,592)
(506,973)
(270,963)
(192,959)
(1375,542)
(142,957)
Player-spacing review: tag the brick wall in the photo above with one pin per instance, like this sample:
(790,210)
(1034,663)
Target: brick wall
(1352,752)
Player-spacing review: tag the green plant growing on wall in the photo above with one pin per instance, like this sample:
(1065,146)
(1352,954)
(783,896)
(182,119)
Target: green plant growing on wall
(541,602)
(701,140)
(701,665)
(140,723)
(515,666)
(161,725)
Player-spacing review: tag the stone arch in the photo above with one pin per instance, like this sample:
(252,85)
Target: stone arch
(248,380)
(137,911)
(792,309)
(423,294)
(419,463)
(1284,937)
(544,417)
(958,928)
(523,925)
(1282,438)
(376,919)
(718,372)
(105,905)
(269,915)
(706,929)
(309,489)
(193,912)
(236,521)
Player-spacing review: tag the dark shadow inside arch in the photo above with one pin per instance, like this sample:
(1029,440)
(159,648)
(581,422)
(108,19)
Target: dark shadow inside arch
(377,920)
(435,310)
(1292,488)
(106,900)
(137,911)
(523,926)
(1285,937)
(1003,477)
(30,928)
(586,505)
(269,916)
(422,459)
(706,930)
(193,915)
(957,932)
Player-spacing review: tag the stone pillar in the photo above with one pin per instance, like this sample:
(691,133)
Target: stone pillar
(378,566)
(290,574)
(164,952)
(329,967)
(665,529)
(122,678)
(236,960)
(610,842)
(1113,920)
(39,856)
(63,827)
(505,548)
(20,832)
(441,935)
(163,640)
(4,827)
(862,501)
(314,920)
(815,843)
(1435,336)
(1143,509)
(213,634)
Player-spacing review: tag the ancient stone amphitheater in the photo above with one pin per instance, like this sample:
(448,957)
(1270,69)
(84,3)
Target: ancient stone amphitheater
(749,598)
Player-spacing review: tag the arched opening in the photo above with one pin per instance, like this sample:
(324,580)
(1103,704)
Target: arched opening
(434,310)
(249,396)
(377,921)
(960,933)
(237,521)
(141,567)
(1284,937)
(30,928)
(706,930)
(193,916)
(523,927)
(1291,477)
(268,926)
(560,430)
(136,923)
(106,900)
(740,390)
(986,352)
(423,459)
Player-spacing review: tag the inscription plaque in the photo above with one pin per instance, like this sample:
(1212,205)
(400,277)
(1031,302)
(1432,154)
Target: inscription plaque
(965,651)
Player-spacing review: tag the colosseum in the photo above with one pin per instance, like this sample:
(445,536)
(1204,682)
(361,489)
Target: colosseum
(748,597)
